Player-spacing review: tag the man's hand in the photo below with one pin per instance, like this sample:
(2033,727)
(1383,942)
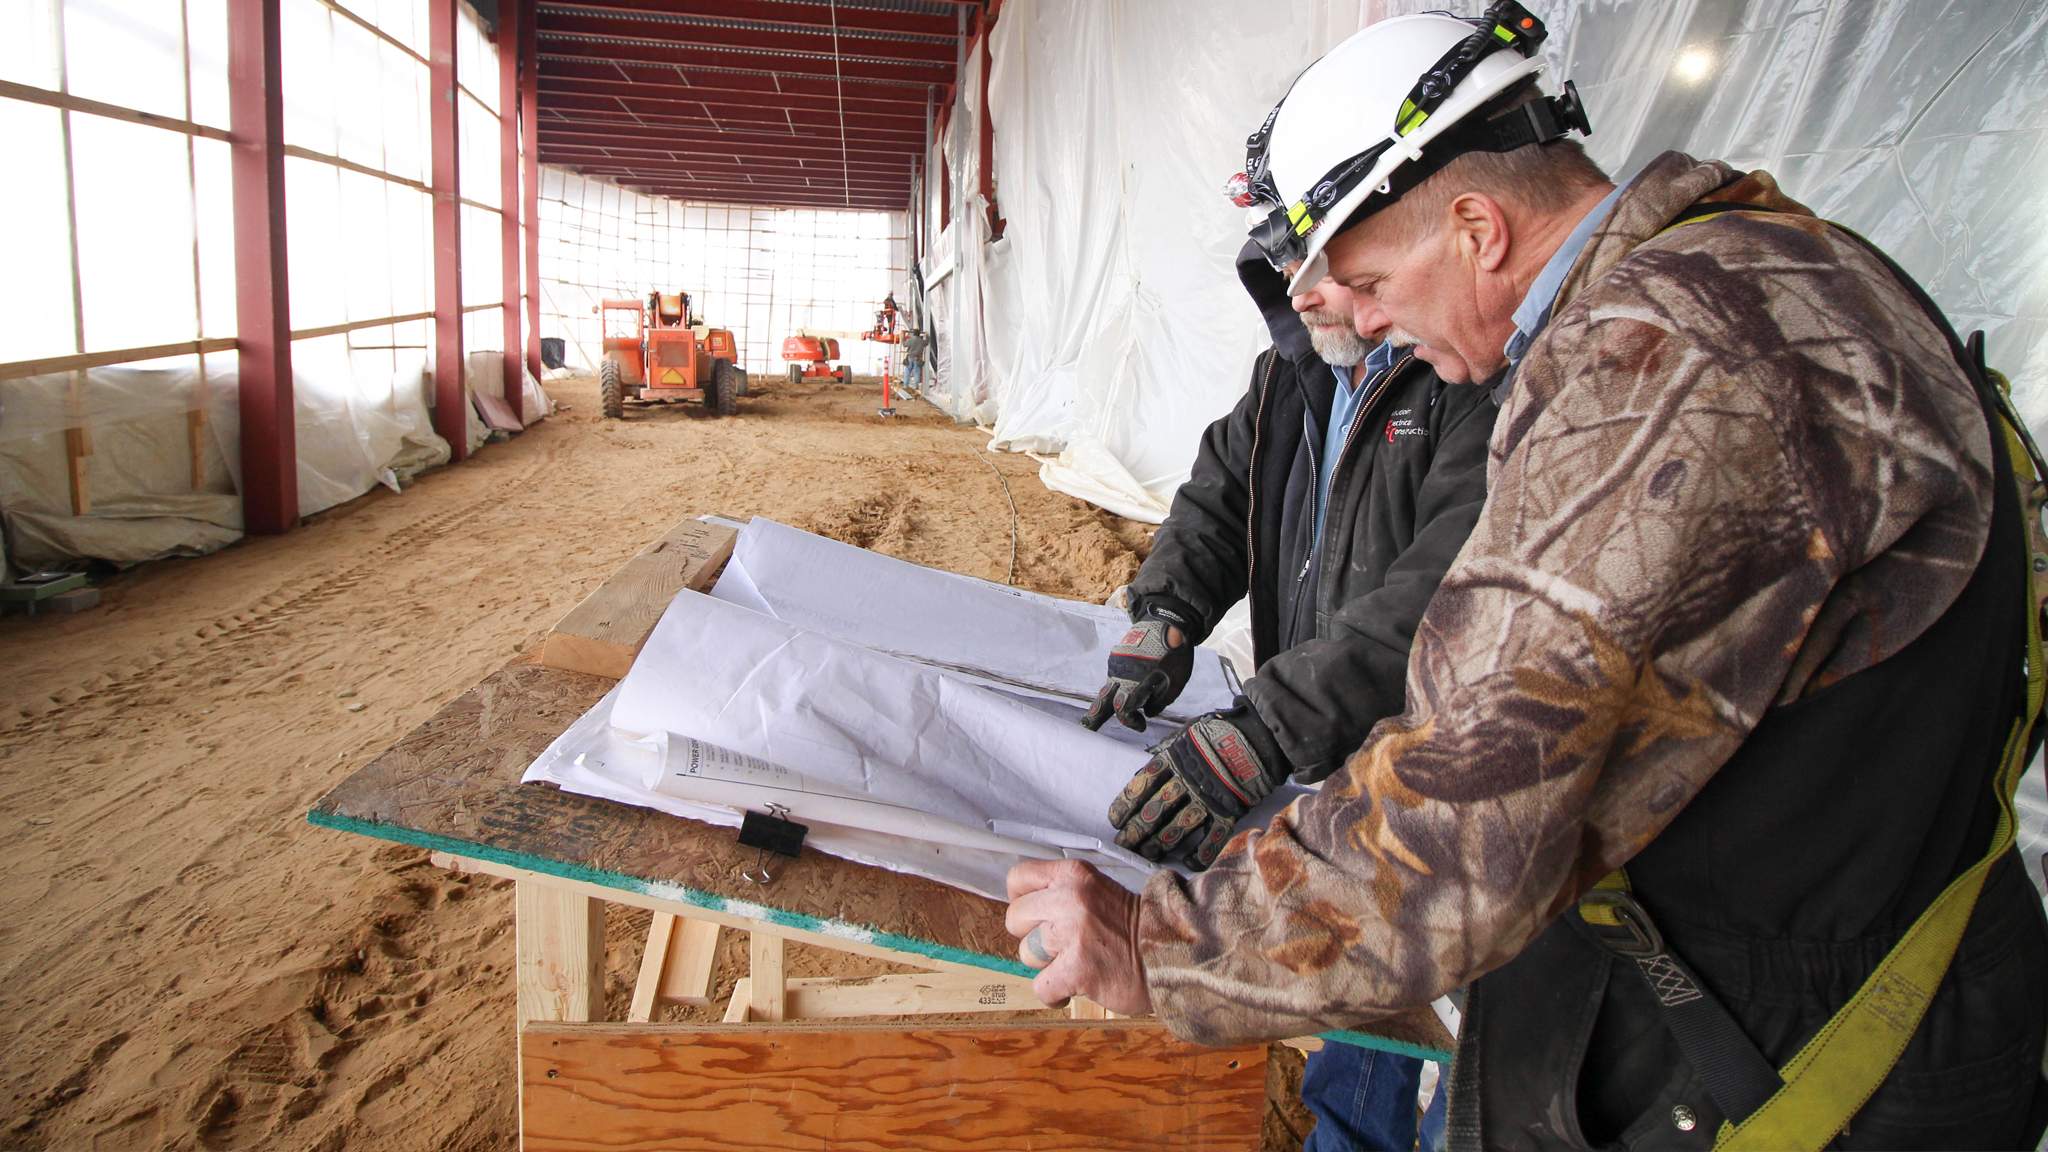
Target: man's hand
(1197,786)
(1147,670)
(1080,929)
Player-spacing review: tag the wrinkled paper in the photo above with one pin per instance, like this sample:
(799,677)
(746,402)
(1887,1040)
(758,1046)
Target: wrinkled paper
(933,714)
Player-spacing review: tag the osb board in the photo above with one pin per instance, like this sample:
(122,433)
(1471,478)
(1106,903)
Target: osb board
(605,632)
(452,785)
(1103,1087)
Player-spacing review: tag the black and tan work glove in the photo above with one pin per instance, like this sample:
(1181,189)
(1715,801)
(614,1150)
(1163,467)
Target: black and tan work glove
(1147,668)
(1199,783)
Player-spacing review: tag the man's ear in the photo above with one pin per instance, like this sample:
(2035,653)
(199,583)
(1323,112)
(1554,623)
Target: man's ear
(1479,228)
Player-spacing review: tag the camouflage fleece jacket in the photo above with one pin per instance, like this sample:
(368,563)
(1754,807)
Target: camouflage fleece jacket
(1737,466)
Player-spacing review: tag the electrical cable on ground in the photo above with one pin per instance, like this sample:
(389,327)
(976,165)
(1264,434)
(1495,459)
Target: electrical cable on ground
(983,457)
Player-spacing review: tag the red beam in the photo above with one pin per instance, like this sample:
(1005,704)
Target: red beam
(733,171)
(858,166)
(718,96)
(510,20)
(821,181)
(270,469)
(703,190)
(773,200)
(742,157)
(779,12)
(752,177)
(662,135)
(689,154)
(659,130)
(804,39)
(823,191)
(745,201)
(708,159)
(650,52)
(657,110)
(755,83)
(856,185)
(529,125)
(451,397)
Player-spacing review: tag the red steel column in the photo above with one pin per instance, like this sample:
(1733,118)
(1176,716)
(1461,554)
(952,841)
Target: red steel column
(529,124)
(451,399)
(263,342)
(509,204)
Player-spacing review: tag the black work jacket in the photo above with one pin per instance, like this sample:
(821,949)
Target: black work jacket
(1331,628)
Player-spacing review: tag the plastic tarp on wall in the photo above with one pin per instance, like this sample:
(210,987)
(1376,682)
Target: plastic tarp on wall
(353,432)
(1115,328)
(1111,327)
(152,215)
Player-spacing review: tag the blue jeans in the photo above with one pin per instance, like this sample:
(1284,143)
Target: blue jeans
(1364,1101)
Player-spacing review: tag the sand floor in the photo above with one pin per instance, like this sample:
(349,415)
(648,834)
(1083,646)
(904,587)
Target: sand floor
(185,963)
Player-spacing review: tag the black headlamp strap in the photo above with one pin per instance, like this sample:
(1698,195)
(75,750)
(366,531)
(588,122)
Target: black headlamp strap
(1539,121)
(1506,24)
(1258,172)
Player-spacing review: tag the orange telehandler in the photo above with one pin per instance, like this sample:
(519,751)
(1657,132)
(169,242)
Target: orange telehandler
(667,354)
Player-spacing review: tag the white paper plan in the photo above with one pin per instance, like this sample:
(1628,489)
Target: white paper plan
(944,732)
(595,759)
(1033,645)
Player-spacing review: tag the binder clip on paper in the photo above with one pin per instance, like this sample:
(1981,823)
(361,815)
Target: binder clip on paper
(772,831)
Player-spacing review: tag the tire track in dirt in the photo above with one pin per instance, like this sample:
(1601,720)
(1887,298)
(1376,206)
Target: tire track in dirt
(287,988)
(80,704)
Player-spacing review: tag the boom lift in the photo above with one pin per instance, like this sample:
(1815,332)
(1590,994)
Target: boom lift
(810,358)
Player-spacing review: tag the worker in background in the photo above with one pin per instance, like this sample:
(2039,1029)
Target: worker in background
(1334,495)
(913,358)
(1746,611)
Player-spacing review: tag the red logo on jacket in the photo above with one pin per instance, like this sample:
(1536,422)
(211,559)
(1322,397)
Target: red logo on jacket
(1404,423)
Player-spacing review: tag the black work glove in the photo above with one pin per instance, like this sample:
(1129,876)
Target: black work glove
(1147,669)
(1198,785)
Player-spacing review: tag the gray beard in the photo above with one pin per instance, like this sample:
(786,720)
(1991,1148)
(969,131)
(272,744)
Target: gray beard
(1339,346)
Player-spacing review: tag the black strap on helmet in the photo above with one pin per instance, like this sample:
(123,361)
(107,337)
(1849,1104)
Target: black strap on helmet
(1283,234)
(1506,24)
(1539,121)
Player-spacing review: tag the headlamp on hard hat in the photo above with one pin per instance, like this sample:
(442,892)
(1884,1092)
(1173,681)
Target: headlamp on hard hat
(1284,233)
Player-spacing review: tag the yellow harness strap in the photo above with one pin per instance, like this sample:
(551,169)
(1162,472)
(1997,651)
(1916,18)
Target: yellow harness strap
(1830,1079)
(1834,1075)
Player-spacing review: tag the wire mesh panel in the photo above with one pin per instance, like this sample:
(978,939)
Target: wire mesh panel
(764,273)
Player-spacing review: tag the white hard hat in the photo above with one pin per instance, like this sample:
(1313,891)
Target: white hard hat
(1381,112)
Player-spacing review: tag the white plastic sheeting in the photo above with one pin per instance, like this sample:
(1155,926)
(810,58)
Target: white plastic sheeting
(1108,326)
(151,212)
(354,430)
(1114,326)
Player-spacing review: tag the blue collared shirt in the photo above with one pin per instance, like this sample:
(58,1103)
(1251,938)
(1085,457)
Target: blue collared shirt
(1344,408)
(1534,311)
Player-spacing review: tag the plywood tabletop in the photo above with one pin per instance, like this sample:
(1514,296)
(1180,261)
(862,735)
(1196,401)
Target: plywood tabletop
(453,785)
